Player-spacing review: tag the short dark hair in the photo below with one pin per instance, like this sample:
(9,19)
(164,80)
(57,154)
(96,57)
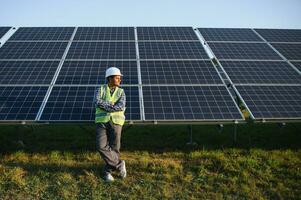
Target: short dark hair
(108,78)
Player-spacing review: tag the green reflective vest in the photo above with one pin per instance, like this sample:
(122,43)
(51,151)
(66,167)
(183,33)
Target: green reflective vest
(102,116)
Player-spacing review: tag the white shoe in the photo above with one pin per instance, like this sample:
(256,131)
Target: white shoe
(123,169)
(108,177)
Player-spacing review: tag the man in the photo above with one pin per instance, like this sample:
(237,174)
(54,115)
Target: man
(109,118)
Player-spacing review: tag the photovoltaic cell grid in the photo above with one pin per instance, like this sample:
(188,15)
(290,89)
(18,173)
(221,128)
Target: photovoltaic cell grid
(27,72)
(42,33)
(172,50)
(105,33)
(166,33)
(280,35)
(249,51)
(20,103)
(32,50)
(229,34)
(264,101)
(92,72)
(72,103)
(188,103)
(3,30)
(261,72)
(297,64)
(102,50)
(167,57)
(179,72)
(143,86)
(272,102)
(289,51)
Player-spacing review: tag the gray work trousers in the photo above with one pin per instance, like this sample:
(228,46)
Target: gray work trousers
(108,144)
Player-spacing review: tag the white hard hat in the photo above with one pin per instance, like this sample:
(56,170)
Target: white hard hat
(112,71)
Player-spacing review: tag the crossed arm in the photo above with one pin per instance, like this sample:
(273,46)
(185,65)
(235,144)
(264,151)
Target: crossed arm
(109,107)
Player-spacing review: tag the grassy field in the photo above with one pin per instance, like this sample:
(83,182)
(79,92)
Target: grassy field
(60,162)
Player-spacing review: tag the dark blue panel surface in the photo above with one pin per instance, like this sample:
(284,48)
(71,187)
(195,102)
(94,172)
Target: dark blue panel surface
(272,102)
(32,50)
(73,103)
(189,103)
(105,33)
(102,50)
(93,72)
(166,33)
(297,64)
(172,50)
(280,35)
(250,51)
(228,34)
(261,72)
(43,33)
(20,103)
(27,72)
(289,51)
(179,72)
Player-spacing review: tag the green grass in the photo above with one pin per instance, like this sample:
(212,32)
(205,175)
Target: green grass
(60,162)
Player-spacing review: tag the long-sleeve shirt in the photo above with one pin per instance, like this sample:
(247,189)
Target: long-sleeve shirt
(107,106)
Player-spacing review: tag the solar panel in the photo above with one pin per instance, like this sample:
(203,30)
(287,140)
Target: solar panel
(280,35)
(72,103)
(189,103)
(43,33)
(166,33)
(261,72)
(3,30)
(102,50)
(172,50)
(27,72)
(179,81)
(32,50)
(179,72)
(250,51)
(20,103)
(229,34)
(92,72)
(272,102)
(105,33)
(297,64)
(289,51)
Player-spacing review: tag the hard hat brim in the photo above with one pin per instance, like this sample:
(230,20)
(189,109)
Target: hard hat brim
(115,75)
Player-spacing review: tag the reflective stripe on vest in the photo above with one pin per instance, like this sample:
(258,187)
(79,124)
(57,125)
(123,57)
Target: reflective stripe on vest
(102,116)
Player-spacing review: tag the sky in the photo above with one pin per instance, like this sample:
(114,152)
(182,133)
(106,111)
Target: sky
(195,13)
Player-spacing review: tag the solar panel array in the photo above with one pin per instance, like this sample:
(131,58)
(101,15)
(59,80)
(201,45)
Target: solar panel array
(92,50)
(52,73)
(179,82)
(259,64)
(28,62)
(60,69)
(286,41)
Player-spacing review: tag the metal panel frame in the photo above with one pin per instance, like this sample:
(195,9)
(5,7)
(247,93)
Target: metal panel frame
(284,58)
(233,85)
(218,68)
(39,114)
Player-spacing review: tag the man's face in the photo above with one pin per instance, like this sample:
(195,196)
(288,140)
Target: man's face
(115,80)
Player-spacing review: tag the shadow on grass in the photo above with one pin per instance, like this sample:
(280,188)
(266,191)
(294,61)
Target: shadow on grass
(152,138)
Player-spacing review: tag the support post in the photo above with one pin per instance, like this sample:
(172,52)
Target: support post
(190,142)
(235,133)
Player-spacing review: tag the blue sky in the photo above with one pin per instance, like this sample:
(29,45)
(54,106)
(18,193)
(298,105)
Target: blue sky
(209,13)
